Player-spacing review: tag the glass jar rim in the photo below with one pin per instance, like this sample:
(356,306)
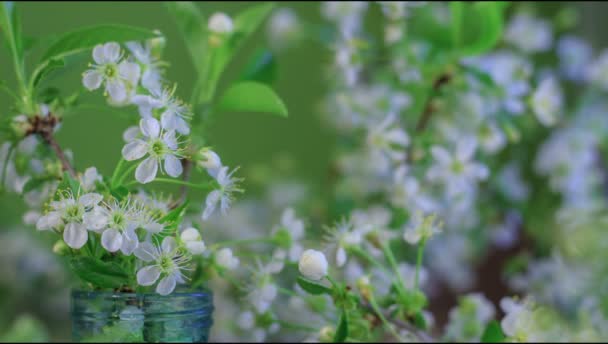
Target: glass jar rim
(193,293)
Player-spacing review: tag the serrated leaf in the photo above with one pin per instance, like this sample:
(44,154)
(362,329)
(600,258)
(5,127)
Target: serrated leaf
(312,287)
(87,38)
(493,333)
(342,330)
(100,274)
(262,67)
(250,96)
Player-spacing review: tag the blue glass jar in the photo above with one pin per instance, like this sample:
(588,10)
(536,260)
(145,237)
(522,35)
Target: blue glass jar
(184,317)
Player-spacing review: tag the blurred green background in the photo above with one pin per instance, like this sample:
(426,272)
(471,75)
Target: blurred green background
(245,140)
(300,144)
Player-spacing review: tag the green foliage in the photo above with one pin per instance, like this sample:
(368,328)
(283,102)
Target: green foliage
(250,96)
(44,70)
(312,287)
(25,329)
(99,273)
(10,25)
(262,67)
(117,333)
(476,27)
(493,333)
(193,28)
(342,330)
(85,39)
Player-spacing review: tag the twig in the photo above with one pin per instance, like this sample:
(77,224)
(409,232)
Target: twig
(187,168)
(429,108)
(44,126)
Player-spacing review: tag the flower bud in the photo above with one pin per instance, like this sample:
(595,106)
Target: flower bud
(60,248)
(209,159)
(313,265)
(365,287)
(220,23)
(224,258)
(192,240)
(326,334)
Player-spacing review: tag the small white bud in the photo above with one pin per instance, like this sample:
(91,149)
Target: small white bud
(225,259)
(313,265)
(193,241)
(209,159)
(220,23)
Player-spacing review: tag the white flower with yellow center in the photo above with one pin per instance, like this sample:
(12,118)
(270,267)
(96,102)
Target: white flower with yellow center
(167,264)
(68,214)
(159,145)
(120,78)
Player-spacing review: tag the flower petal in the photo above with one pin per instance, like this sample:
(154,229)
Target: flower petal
(166,285)
(95,219)
(90,199)
(128,245)
(134,150)
(146,171)
(169,245)
(148,275)
(111,51)
(145,251)
(173,166)
(111,240)
(130,71)
(117,90)
(91,79)
(211,203)
(98,55)
(75,235)
(150,127)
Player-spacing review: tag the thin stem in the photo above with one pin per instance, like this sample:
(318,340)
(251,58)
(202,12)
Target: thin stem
(387,324)
(116,170)
(296,326)
(287,292)
(126,174)
(419,261)
(50,140)
(333,283)
(176,181)
(363,254)
(388,253)
(187,168)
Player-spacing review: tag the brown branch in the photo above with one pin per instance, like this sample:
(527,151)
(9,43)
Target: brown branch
(187,168)
(44,127)
(428,109)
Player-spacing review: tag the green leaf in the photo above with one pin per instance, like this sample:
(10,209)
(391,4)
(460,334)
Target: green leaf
(10,25)
(43,70)
(192,26)
(476,27)
(262,67)
(245,24)
(342,330)
(99,273)
(251,96)
(175,214)
(312,287)
(493,333)
(87,38)
(70,183)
